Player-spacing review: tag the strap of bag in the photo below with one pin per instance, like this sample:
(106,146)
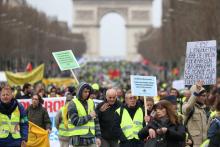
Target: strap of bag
(189,116)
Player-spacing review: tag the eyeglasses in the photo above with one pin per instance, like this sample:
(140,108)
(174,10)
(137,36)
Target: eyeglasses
(132,97)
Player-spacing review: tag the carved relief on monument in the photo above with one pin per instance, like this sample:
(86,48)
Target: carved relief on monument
(105,10)
(140,15)
(85,15)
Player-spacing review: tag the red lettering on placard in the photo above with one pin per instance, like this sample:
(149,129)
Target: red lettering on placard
(25,104)
(57,105)
(48,105)
(54,106)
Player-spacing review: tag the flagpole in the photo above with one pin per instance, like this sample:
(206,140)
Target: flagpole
(74,76)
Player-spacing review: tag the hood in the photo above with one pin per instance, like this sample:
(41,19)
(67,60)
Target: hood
(80,89)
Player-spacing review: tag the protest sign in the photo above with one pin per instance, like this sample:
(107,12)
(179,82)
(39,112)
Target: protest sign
(143,85)
(200,63)
(178,84)
(66,60)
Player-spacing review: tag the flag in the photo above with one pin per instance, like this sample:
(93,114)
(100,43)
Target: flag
(59,81)
(32,77)
(37,137)
(29,67)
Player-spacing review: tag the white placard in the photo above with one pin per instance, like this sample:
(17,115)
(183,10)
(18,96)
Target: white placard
(200,63)
(143,85)
(178,84)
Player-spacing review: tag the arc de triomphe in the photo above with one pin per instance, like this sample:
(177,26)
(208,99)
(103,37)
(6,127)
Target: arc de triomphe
(88,14)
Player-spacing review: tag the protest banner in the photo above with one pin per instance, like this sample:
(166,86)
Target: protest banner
(200,62)
(20,78)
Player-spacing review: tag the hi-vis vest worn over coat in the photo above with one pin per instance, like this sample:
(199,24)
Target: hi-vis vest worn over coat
(8,125)
(130,127)
(83,129)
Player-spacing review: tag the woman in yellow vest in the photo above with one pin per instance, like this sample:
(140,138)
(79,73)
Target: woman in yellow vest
(128,121)
(165,127)
(13,120)
(83,124)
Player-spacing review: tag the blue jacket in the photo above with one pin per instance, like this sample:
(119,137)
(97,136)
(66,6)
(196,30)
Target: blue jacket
(214,127)
(7,109)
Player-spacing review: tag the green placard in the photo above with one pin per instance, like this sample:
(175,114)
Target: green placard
(66,60)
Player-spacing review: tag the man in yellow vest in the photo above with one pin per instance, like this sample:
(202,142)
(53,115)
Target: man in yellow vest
(13,120)
(83,124)
(61,123)
(128,121)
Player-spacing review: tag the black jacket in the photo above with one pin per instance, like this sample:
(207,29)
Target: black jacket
(106,120)
(175,135)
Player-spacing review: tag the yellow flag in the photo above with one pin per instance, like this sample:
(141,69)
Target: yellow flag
(37,137)
(59,81)
(32,77)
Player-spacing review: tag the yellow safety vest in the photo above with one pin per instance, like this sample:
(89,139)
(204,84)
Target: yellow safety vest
(213,114)
(63,127)
(12,125)
(89,126)
(205,143)
(130,127)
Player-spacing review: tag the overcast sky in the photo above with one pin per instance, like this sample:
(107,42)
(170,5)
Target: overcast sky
(63,10)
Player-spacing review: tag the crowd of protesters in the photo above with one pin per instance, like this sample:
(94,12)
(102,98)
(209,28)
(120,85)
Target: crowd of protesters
(190,117)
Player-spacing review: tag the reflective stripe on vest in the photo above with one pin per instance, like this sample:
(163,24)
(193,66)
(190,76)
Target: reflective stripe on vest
(90,125)
(130,127)
(205,143)
(10,125)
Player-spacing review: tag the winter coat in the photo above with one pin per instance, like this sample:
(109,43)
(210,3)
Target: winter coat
(174,137)
(118,133)
(197,124)
(78,121)
(7,109)
(214,132)
(106,120)
(39,116)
